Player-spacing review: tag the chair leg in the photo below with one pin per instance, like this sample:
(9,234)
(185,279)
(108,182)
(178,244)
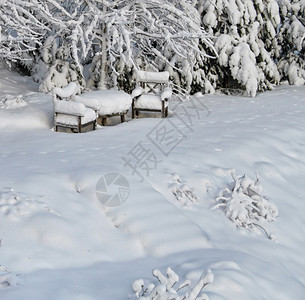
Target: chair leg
(122,118)
(79,124)
(163,110)
(132,111)
(104,121)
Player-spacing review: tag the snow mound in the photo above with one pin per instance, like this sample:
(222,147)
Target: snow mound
(26,111)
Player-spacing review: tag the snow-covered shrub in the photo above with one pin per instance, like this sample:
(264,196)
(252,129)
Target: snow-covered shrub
(183,194)
(244,204)
(59,75)
(9,279)
(14,206)
(166,289)
(12,101)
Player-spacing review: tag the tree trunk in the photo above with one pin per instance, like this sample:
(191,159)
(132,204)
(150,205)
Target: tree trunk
(102,84)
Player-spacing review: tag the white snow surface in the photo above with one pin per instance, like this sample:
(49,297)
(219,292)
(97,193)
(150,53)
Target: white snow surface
(58,241)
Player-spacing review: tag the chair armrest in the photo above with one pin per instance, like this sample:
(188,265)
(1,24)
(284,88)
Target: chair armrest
(90,103)
(137,92)
(67,91)
(166,94)
(69,108)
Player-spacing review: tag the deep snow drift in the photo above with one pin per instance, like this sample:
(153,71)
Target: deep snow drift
(59,241)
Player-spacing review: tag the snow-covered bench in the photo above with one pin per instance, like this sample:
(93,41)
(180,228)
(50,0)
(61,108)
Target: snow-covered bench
(107,103)
(152,93)
(70,114)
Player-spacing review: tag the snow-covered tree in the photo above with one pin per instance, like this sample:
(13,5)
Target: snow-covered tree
(100,43)
(247,43)
(292,39)
(171,41)
(67,46)
(147,34)
(112,37)
(21,28)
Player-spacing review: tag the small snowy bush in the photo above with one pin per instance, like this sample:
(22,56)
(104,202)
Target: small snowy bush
(244,204)
(183,194)
(166,288)
(12,102)
(15,205)
(9,279)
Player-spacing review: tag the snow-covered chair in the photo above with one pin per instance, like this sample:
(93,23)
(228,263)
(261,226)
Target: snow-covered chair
(70,114)
(152,93)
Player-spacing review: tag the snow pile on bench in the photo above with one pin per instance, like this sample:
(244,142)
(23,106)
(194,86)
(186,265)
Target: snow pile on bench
(156,77)
(106,102)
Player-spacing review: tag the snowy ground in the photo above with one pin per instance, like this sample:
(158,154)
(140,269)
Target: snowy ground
(58,241)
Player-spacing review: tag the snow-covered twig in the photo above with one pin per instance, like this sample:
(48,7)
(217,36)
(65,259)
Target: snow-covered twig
(166,288)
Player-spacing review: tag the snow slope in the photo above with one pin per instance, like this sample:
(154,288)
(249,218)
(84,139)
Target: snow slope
(58,241)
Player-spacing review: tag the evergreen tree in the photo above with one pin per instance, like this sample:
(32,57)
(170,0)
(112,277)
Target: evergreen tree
(246,43)
(292,39)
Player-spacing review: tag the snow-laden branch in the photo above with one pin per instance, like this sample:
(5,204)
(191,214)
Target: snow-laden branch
(114,35)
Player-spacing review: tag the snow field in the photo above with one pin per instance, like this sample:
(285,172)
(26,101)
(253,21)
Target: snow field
(59,242)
